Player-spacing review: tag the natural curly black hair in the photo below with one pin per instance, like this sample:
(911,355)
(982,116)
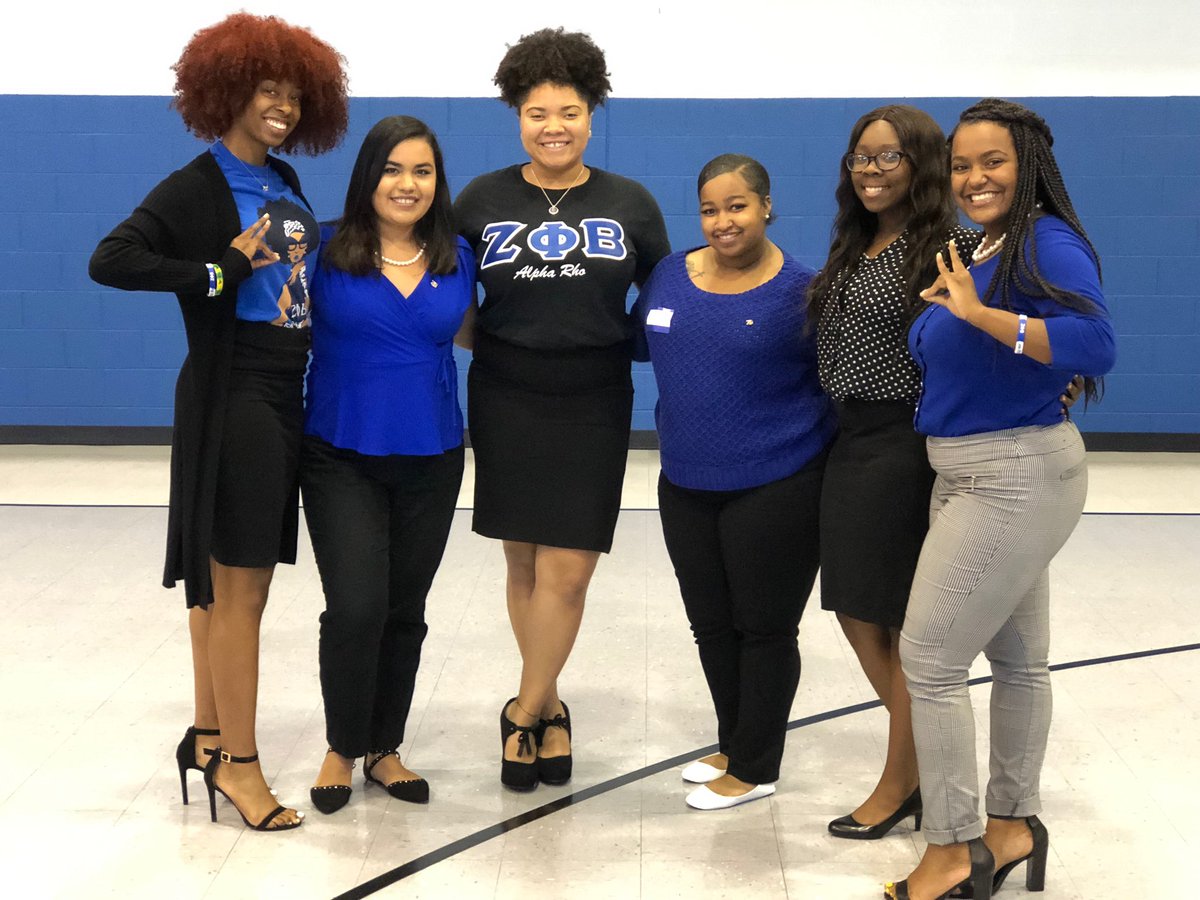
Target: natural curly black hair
(223,64)
(932,213)
(1039,191)
(556,56)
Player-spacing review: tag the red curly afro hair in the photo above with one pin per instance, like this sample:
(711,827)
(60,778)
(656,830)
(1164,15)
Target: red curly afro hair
(222,66)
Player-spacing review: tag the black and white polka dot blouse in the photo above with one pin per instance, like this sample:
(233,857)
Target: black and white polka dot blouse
(861,338)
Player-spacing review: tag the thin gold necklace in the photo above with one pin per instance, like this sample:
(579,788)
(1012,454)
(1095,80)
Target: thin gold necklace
(553,210)
(266,187)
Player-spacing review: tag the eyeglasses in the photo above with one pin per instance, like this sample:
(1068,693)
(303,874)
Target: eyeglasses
(885,161)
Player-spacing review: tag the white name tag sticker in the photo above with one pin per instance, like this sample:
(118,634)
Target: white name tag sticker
(659,319)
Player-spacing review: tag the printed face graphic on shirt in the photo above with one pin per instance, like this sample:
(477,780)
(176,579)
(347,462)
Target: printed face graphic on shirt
(288,236)
(543,251)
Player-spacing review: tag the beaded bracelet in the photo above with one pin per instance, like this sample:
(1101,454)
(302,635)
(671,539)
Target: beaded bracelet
(1022,321)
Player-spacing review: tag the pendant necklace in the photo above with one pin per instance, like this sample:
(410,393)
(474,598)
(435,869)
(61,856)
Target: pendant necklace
(402,262)
(266,187)
(553,210)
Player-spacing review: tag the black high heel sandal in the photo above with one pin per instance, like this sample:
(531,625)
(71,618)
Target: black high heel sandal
(210,782)
(1035,872)
(554,769)
(412,790)
(850,827)
(329,798)
(520,776)
(983,866)
(185,755)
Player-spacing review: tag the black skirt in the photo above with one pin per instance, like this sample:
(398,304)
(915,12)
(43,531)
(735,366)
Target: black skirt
(874,511)
(257,497)
(550,434)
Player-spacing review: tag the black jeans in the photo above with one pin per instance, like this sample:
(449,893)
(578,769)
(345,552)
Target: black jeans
(379,526)
(746,561)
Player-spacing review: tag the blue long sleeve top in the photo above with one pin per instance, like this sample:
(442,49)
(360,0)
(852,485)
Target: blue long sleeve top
(973,383)
(382,379)
(739,400)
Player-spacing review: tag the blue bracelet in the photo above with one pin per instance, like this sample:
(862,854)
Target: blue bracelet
(212,279)
(1022,321)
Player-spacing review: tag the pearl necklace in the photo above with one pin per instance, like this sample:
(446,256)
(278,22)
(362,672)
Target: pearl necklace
(402,262)
(981,253)
(553,210)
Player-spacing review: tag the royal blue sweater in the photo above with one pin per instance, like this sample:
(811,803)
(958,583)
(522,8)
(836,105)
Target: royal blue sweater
(972,383)
(739,400)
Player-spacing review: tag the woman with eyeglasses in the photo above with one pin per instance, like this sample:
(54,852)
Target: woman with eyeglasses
(894,214)
(994,348)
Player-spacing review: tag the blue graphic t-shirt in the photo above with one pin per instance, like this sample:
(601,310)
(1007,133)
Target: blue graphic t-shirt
(277,293)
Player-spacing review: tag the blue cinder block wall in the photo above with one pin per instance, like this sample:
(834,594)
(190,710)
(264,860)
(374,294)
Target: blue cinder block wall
(71,167)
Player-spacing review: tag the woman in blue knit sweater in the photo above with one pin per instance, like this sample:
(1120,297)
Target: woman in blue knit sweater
(743,427)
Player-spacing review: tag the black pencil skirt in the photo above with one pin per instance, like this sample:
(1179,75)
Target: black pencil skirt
(874,511)
(550,434)
(257,495)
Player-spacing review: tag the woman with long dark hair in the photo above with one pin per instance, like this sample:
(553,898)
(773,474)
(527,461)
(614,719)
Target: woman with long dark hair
(894,214)
(995,347)
(383,446)
(230,234)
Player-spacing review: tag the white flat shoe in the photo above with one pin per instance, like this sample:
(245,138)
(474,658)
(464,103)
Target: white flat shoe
(704,798)
(701,773)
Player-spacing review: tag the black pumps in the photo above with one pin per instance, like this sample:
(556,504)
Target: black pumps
(555,769)
(185,755)
(515,774)
(849,827)
(412,790)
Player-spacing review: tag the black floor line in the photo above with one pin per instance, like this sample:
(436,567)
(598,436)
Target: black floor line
(412,867)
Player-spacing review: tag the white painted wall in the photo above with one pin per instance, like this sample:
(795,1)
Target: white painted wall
(656,48)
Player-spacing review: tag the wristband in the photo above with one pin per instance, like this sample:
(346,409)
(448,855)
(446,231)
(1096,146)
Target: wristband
(216,279)
(1022,321)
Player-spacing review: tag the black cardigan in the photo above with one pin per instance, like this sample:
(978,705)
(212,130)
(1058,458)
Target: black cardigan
(188,220)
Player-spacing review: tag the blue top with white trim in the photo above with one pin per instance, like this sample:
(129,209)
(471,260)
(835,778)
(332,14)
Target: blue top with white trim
(972,383)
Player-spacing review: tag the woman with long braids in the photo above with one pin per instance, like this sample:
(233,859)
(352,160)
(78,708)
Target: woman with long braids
(550,395)
(995,347)
(228,234)
(894,214)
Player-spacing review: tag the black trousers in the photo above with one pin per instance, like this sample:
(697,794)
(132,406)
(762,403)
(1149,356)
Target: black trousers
(379,526)
(746,562)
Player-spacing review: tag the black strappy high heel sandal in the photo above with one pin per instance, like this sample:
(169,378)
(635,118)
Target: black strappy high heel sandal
(413,790)
(983,866)
(520,776)
(185,755)
(210,782)
(1035,872)
(555,769)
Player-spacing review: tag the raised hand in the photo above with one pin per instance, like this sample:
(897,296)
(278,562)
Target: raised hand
(250,242)
(954,287)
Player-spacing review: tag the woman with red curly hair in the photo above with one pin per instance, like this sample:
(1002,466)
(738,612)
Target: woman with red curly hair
(228,234)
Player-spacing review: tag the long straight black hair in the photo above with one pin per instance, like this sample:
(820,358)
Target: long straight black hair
(931,220)
(354,246)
